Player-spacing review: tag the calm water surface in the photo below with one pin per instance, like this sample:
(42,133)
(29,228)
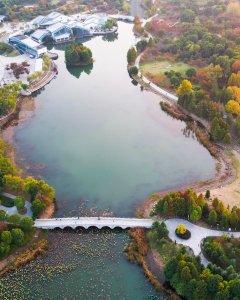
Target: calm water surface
(104,144)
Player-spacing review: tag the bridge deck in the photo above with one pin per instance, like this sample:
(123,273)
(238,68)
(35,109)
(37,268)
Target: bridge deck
(87,222)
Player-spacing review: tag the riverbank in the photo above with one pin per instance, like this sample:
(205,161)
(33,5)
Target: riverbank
(224,185)
(35,246)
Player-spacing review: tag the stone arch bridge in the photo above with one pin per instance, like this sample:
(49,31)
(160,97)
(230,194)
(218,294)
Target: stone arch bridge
(98,222)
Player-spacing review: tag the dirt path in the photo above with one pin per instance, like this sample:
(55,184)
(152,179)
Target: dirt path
(230,193)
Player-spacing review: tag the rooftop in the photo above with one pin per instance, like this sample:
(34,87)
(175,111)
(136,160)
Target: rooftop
(27,41)
(38,34)
(56,26)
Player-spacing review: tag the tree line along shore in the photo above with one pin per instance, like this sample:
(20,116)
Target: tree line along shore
(185,53)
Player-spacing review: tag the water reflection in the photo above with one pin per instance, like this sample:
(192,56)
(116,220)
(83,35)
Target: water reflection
(111,37)
(77,71)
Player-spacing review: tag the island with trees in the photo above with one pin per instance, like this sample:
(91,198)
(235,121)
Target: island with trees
(76,54)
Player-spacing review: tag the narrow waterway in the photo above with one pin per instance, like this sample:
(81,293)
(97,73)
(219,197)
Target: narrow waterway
(105,146)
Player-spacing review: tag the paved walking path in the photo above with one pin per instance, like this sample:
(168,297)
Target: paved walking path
(152,85)
(198,233)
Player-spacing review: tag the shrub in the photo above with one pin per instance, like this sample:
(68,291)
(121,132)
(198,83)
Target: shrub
(8,202)
(182,232)
(181,229)
(133,70)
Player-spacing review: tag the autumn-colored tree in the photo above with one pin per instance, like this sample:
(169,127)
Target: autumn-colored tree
(184,88)
(233,107)
(214,72)
(181,229)
(233,8)
(14,183)
(234,80)
(131,55)
(234,91)
(236,66)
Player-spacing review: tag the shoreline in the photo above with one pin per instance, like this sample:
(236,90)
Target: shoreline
(224,175)
(37,245)
(227,174)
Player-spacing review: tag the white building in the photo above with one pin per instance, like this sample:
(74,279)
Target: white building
(59,28)
(27,45)
(50,19)
(2,18)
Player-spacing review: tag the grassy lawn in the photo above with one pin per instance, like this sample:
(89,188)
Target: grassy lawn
(8,50)
(165,248)
(159,67)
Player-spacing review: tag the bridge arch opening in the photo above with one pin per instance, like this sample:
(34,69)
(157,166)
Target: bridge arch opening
(119,229)
(80,229)
(93,229)
(68,228)
(57,229)
(105,229)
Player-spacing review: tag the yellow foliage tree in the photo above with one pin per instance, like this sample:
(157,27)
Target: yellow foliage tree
(234,80)
(233,107)
(234,8)
(181,229)
(185,87)
(235,92)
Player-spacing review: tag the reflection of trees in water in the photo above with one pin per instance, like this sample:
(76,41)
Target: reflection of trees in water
(189,130)
(111,37)
(77,71)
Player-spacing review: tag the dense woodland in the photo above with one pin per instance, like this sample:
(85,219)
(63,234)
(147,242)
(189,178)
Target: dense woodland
(206,36)
(28,9)
(223,251)
(18,231)
(195,207)
(186,274)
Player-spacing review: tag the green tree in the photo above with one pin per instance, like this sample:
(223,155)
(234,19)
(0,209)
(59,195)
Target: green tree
(31,186)
(26,223)
(6,237)
(188,16)
(3,215)
(17,236)
(133,70)
(37,207)
(212,218)
(14,183)
(6,167)
(170,268)
(19,202)
(78,54)
(233,218)
(14,219)
(4,249)
(207,195)
(191,72)
(131,55)
(161,229)
(234,287)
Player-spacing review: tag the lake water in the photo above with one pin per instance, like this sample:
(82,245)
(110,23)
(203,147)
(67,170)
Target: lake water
(104,145)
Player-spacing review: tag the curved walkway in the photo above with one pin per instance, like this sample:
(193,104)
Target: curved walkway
(161,91)
(198,233)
